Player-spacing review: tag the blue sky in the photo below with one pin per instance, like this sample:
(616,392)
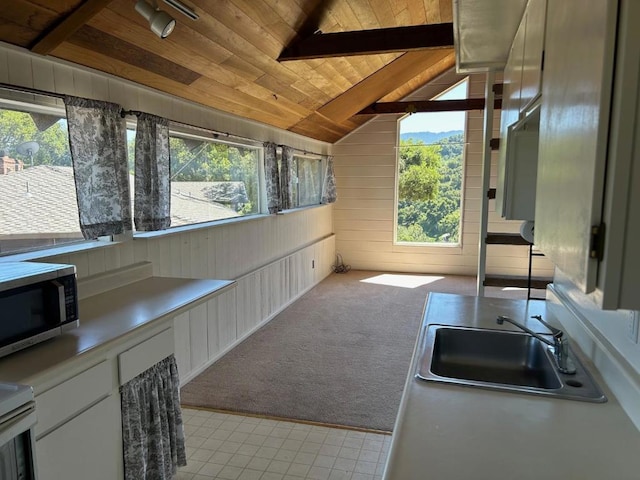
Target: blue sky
(441,121)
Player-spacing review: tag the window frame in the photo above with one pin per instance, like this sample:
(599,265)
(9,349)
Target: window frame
(51,105)
(321,173)
(178,130)
(412,245)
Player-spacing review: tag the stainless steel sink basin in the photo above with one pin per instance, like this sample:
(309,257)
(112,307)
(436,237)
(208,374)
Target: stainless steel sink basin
(501,360)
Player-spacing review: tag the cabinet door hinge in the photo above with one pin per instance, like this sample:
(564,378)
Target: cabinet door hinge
(596,244)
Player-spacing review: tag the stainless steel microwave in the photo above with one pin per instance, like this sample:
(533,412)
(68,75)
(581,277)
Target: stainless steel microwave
(38,301)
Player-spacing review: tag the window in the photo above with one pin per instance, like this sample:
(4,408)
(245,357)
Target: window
(210,180)
(39,207)
(306,181)
(429,175)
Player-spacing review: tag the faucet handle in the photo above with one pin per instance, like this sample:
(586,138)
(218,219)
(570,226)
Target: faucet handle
(556,332)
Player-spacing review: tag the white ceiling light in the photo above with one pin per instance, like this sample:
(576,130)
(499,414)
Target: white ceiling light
(160,22)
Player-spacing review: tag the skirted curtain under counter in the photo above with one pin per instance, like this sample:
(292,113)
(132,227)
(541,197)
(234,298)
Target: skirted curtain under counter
(152,429)
(97,139)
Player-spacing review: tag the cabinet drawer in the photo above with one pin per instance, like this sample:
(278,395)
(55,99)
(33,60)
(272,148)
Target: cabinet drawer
(59,404)
(145,355)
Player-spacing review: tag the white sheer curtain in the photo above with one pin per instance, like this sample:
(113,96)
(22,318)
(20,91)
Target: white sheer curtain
(97,139)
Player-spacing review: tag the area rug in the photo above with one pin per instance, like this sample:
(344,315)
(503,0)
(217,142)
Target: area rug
(339,355)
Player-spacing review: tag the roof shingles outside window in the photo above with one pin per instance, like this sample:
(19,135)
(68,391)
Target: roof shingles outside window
(40,203)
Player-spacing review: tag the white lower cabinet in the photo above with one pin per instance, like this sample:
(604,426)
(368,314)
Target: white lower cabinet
(89,446)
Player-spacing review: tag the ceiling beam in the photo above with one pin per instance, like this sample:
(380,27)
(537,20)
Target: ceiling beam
(386,80)
(366,42)
(67,27)
(427,106)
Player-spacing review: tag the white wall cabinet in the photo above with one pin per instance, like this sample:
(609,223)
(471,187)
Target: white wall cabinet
(588,148)
(517,160)
(533,53)
(510,112)
(521,168)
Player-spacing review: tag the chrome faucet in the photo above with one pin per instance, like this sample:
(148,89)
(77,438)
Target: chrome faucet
(560,345)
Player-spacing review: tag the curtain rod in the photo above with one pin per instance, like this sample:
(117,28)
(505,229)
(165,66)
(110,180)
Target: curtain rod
(189,125)
(226,134)
(34,91)
(306,152)
(123,113)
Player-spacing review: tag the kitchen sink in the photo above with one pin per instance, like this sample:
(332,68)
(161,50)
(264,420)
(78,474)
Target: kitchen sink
(500,360)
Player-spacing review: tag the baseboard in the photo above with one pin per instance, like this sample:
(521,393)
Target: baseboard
(616,372)
(194,373)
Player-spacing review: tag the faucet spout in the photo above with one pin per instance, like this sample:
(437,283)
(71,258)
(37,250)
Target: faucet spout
(559,346)
(501,319)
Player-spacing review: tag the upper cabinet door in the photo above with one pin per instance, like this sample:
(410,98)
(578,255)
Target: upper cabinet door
(574,125)
(533,52)
(510,114)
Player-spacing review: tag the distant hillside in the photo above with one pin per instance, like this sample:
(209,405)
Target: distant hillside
(429,137)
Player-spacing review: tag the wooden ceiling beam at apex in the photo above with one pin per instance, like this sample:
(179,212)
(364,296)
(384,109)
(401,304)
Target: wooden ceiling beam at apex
(463,105)
(367,42)
(385,80)
(81,15)
(419,80)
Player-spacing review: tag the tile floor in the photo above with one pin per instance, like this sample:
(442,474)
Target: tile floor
(234,447)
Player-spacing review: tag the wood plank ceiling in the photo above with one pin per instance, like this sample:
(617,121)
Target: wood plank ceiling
(227,59)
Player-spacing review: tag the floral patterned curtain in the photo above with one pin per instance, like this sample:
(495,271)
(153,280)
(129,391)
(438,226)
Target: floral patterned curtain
(329,193)
(152,430)
(286,162)
(272,177)
(97,138)
(152,192)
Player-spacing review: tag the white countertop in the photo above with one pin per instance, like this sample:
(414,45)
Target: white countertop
(455,432)
(108,317)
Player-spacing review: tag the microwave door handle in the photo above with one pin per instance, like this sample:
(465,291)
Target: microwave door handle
(61,300)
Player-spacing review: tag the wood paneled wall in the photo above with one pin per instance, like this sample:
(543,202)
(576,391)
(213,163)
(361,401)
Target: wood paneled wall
(365,165)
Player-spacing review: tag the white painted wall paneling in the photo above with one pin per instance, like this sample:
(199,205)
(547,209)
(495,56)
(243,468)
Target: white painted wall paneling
(364,213)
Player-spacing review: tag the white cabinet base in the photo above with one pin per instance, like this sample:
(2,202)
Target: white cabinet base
(89,446)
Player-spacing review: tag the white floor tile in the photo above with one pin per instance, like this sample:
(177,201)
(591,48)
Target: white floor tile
(234,447)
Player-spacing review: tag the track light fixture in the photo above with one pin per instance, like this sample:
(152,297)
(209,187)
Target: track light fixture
(182,8)
(160,22)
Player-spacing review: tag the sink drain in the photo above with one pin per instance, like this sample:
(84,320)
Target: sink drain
(574,383)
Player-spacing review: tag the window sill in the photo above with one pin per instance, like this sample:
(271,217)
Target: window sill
(55,251)
(46,253)
(216,223)
(197,226)
(298,209)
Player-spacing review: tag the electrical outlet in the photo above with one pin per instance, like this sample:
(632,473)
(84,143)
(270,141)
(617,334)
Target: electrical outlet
(632,325)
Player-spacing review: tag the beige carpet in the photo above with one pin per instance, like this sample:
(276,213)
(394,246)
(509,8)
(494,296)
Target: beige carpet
(339,355)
